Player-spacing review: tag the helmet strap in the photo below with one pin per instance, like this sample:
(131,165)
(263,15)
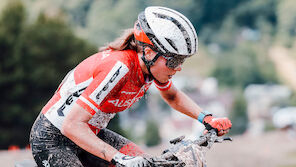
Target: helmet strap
(149,63)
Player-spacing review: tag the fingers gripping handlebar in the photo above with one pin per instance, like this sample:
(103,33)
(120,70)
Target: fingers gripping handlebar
(210,138)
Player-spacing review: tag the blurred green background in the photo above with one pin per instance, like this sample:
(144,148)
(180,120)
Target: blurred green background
(41,40)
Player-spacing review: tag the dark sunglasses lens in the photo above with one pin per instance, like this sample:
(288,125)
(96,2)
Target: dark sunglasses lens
(174,62)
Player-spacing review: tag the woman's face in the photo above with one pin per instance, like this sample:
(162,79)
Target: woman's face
(161,72)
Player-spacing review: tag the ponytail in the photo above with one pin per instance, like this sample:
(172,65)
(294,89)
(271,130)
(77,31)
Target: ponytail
(124,42)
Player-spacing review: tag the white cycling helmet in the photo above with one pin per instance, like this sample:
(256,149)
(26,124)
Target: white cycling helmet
(167,31)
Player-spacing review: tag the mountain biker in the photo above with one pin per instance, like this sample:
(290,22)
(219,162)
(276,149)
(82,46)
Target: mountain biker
(71,128)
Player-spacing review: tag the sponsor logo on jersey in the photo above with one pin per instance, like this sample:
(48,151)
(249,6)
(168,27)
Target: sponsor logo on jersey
(121,103)
(118,71)
(124,103)
(128,93)
(129,102)
(69,101)
(109,82)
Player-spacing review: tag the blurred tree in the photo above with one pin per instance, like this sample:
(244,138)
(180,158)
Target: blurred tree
(252,12)
(34,59)
(12,23)
(286,13)
(292,100)
(238,115)
(214,11)
(241,68)
(225,37)
(80,12)
(102,21)
(152,136)
(107,19)
(251,20)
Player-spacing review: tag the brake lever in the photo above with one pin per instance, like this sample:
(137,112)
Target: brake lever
(177,140)
(208,139)
(220,140)
(160,162)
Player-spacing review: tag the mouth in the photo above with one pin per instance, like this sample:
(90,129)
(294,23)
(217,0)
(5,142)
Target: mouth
(170,76)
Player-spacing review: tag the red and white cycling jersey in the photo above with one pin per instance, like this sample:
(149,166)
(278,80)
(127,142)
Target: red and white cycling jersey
(103,84)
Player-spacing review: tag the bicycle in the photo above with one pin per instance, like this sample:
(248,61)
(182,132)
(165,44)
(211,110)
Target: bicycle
(182,153)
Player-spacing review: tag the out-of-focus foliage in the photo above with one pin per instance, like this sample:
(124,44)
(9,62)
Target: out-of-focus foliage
(34,59)
(238,116)
(242,67)
(253,14)
(286,13)
(107,19)
(152,136)
(252,20)
(102,21)
(11,25)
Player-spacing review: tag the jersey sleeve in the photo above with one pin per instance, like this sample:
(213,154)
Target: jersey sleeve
(163,86)
(109,76)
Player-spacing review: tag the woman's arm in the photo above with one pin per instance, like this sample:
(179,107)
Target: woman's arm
(75,127)
(181,102)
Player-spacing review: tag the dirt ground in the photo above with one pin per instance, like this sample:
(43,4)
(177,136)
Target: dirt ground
(273,149)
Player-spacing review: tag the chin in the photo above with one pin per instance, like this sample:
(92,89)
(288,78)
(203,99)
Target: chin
(163,80)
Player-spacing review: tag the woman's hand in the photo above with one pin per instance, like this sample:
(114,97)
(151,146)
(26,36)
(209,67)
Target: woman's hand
(221,125)
(129,161)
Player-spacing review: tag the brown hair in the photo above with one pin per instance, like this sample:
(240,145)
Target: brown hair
(124,42)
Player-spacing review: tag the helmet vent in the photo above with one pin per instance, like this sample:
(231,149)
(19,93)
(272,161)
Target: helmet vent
(172,44)
(180,27)
(192,28)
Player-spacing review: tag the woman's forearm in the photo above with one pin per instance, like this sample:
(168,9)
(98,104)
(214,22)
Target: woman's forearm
(76,129)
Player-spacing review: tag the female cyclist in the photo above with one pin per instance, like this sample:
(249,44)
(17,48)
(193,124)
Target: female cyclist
(71,128)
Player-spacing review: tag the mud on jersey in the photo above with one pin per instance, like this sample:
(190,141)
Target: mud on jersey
(103,84)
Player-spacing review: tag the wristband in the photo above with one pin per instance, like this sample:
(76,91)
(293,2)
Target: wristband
(202,115)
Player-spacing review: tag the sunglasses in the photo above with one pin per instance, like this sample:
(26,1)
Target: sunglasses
(173,60)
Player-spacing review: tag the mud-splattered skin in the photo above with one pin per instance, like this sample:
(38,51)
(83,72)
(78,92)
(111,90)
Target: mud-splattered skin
(51,148)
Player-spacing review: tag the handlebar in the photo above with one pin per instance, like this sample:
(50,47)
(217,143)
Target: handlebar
(170,157)
(206,140)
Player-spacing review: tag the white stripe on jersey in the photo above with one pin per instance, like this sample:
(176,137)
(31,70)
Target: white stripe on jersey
(89,103)
(69,92)
(117,72)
